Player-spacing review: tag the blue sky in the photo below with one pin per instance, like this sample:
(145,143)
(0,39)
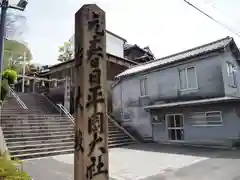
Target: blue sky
(166,26)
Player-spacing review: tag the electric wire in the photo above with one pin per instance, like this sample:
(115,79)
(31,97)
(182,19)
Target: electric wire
(210,17)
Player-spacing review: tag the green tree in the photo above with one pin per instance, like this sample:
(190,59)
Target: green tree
(15,24)
(9,77)
(15,27)
(66,51)
(31,68)
(14,52)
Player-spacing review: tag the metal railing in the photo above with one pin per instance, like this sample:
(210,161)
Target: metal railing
(63,109)
(121,128)
(51,102)
(13,94)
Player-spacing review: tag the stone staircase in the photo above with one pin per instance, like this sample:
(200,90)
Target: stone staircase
(37,101)
(39,131)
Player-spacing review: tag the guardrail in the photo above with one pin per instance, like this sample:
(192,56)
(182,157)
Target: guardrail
(120,127)
(12,93)
(49,100)
(63,109)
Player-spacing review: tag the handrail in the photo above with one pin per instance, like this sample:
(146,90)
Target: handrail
(53,104)
(66,112)
(17,98)
(120,127)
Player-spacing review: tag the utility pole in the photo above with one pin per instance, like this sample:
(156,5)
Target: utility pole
(23,72)
(21,5)
(4,7)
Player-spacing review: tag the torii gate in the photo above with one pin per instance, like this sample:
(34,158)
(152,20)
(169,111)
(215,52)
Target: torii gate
(91,126)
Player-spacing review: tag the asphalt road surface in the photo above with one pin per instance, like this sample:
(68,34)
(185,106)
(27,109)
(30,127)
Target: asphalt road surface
(149,162)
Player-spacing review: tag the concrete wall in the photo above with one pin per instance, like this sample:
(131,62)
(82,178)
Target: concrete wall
(163,85)
(202,134)
(114,45)
(229,90)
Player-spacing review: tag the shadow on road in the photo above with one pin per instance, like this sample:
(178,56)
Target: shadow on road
(187,150)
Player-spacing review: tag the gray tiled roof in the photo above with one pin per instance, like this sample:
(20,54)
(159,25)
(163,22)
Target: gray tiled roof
(179,56)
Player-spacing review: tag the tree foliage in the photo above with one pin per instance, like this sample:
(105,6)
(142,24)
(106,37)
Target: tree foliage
(9,77)
(9,169)
(13,48)
(13,54)
(66,51)
(15,24)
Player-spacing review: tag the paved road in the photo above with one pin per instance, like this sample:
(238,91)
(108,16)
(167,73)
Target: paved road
(149,162)
(223,167)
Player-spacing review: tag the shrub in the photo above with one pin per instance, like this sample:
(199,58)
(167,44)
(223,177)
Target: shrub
(9,170)
(9,76)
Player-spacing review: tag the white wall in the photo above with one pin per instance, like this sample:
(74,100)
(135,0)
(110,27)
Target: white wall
(114,45)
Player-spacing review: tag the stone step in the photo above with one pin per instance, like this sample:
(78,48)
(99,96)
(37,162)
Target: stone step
(29,117)
(111,125)
(39,137)
(42,145)
(24,136)
(112,142)
(37,127)
(113,128)
(115,131)
(31,124)
(123,137)
(48,144)
(112,135)
(32,134)
(44,149)
(65,151)
(39,115)
(20,109)
(35,121)
(39,141)
(9,131)
(46,139)
(120,144)
(44,154)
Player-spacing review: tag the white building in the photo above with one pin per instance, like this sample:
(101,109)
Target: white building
(115,44)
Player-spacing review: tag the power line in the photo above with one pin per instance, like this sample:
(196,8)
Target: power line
(210,17)
(226,14)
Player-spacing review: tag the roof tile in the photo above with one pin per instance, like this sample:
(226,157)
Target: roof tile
(177,57)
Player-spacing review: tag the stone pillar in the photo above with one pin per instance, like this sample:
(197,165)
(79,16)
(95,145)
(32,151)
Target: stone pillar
(91,124)
(67,93)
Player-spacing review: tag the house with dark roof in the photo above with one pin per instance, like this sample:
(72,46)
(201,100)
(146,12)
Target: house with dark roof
(192,97)
(138,54)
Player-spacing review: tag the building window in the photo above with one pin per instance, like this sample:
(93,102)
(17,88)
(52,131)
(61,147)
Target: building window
(211,118)
(188,78)
(143,87)
(231,74)
(158,119)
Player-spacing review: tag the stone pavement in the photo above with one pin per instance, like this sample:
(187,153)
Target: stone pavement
(135,162)
(223,167)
